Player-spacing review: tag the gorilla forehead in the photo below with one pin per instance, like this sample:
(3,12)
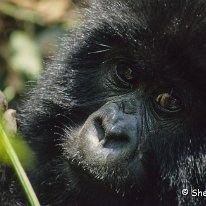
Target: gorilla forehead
(172,16)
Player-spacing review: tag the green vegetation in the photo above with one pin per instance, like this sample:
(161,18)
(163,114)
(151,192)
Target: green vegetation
(12,149)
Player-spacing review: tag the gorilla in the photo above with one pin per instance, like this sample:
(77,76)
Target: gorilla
(118,118)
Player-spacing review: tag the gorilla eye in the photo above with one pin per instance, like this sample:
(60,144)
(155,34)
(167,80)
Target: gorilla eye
(125,73)
(169,102)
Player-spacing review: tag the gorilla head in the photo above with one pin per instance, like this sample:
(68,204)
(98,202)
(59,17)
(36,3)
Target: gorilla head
(118,118)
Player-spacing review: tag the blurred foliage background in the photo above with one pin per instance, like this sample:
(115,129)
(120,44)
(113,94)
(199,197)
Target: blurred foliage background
(30,31)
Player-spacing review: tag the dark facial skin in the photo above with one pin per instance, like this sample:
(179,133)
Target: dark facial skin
(119,117)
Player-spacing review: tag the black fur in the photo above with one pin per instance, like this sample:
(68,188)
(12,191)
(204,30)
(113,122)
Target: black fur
(166,40)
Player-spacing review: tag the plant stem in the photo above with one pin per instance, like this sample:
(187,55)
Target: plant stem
(18,168)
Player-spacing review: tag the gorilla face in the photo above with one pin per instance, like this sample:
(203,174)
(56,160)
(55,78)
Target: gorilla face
(119,117)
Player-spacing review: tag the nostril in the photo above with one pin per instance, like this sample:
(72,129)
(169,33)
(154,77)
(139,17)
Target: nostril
(112,136)
(99,129)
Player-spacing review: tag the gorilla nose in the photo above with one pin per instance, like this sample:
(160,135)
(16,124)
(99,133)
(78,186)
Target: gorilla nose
(117,129)
(110,134)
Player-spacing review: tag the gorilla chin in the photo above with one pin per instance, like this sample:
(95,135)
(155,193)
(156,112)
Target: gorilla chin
(106,148)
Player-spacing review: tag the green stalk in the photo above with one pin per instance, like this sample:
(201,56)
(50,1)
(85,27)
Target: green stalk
(4,140)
